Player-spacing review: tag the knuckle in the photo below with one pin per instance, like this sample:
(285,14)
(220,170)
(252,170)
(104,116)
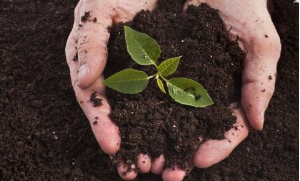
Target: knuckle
(90,43)
(84,43)
(71,42)
(70,48)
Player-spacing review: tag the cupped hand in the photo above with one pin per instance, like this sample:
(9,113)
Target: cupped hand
(250,23)
(86,54)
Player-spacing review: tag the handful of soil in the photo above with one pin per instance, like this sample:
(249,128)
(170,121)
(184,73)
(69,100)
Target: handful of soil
(153,123)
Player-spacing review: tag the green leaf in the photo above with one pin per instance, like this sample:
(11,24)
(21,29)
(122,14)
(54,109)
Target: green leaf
(143,49)
(168,67)
(160,85)
(188,92)
(128,81)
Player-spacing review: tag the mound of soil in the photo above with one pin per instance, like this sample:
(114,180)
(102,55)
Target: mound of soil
(45,136)
(151,122)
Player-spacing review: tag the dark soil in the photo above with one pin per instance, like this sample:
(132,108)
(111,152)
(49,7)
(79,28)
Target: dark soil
(151,122)
(45,136)
(95,101)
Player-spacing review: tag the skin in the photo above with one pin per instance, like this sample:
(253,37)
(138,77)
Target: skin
(249,20)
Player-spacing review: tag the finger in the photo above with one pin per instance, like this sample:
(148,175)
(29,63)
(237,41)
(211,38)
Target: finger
(175,174)
(158,164)
(214,151)
(190,3)
(127,172)
(128,9)
(97,112)
(95,17)
(259,74)
(105,131)
(71,45)
(144,163)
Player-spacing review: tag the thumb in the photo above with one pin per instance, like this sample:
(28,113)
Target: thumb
(263,52)
(93,37)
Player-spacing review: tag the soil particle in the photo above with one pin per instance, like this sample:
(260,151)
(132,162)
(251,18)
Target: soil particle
(270,77)
(86,16)
(95,122)
(96,101)
(75,57)
(95,20)
(197,97)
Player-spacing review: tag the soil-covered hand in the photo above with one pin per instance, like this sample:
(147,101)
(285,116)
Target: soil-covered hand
(86,53)
(250,23)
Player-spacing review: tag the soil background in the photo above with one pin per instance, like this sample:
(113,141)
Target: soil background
(45,136)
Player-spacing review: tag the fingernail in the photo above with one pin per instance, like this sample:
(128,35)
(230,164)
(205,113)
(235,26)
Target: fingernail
(83,70)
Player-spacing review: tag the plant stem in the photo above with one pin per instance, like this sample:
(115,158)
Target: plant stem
(163,78)
(150,77)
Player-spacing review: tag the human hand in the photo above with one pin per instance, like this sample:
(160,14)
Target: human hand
(250,22)
(89,40)
(86,54)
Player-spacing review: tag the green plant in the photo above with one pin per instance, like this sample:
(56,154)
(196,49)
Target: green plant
(145,51)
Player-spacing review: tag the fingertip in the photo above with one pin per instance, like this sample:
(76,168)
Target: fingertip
(107,134)
(214,151)
(144,163)
(158,164)
(255,113)
(255,100)
(256,122)
(175,174)
(111,144)
(126,172)
(210,153)
(207,162)
(110,147)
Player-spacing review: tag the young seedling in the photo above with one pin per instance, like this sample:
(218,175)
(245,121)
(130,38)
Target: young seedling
(145,51)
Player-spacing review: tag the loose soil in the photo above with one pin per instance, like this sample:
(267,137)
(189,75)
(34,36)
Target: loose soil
(45,136)
(151,122)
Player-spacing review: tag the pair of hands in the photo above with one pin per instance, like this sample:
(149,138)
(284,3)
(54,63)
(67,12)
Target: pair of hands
(86,53)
